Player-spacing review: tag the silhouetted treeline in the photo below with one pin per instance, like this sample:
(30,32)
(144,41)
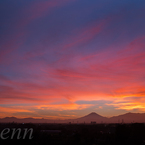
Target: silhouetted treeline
(78,134)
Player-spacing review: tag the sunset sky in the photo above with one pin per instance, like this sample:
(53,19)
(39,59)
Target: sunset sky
(63,59)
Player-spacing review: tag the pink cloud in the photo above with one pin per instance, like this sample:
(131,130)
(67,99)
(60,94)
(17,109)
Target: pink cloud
(40,9)
(11,44)
(85,35)
(36,10)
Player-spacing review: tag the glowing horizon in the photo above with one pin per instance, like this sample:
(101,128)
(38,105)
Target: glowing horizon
(65,59)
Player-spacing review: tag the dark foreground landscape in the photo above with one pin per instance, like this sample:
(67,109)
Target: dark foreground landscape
(74,134)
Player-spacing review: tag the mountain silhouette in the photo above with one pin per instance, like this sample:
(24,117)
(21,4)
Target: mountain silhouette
(92,117)
(128,118)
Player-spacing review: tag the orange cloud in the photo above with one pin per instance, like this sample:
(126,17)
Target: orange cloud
(10,110)
(61,107)
(129,105)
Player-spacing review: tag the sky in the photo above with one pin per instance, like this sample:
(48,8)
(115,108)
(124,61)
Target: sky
(63,59)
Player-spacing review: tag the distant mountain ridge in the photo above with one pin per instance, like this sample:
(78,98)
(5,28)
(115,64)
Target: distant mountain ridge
(128,118)
(92,117)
